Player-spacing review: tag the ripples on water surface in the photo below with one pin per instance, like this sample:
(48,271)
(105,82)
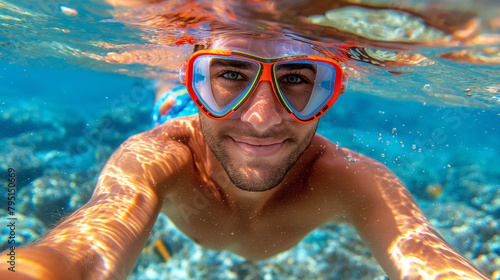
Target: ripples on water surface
(440,52)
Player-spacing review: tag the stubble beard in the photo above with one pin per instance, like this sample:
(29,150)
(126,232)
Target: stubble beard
(255,175)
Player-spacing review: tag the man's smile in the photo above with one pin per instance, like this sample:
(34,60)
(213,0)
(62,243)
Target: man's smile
(258,147)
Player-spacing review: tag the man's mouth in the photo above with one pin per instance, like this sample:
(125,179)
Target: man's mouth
(258,147)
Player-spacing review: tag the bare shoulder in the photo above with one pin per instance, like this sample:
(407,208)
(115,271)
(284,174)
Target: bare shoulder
(350,178)
(175,134)
(179,130)
(348,164)
(159,155)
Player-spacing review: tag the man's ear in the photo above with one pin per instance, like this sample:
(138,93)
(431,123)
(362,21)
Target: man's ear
(343,86)
(182,73)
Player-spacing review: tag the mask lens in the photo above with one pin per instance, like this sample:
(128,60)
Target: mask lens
(223,83)
(305,86)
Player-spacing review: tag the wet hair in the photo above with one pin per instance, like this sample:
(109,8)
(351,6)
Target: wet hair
(321,51)
(198,47)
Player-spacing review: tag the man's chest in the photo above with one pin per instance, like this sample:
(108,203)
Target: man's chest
(255,234)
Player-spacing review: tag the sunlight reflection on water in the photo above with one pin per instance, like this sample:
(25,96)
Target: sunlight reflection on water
(396,45)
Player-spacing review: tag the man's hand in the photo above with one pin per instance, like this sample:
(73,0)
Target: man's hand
(39,262)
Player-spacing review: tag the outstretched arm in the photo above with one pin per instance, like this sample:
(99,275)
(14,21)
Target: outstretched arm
(389,221)
(104,238)
(396,231)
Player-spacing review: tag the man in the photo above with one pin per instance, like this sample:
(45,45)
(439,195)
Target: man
(249,175)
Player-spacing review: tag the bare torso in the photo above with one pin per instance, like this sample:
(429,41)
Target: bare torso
(255,225)
(169,169)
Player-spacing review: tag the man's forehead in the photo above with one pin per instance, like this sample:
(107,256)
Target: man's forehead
(265,47)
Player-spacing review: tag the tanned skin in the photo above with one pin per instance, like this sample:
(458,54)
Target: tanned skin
(237,207)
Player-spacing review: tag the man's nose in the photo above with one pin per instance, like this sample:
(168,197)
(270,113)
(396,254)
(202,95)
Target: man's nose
(262,110)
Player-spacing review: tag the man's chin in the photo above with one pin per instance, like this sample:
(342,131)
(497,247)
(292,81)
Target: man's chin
(256,178)
(252,185)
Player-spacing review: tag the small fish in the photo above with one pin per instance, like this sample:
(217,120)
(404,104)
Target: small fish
(162,249)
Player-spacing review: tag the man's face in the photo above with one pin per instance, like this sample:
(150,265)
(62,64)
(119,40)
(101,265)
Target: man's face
(260,142)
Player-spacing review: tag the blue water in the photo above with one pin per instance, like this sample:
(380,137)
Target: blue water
(437,129)
(458,148)
(91,91)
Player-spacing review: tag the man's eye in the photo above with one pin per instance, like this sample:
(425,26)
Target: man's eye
(233,76)
(292,79)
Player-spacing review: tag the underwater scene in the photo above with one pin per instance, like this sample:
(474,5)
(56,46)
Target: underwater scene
(78,78)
